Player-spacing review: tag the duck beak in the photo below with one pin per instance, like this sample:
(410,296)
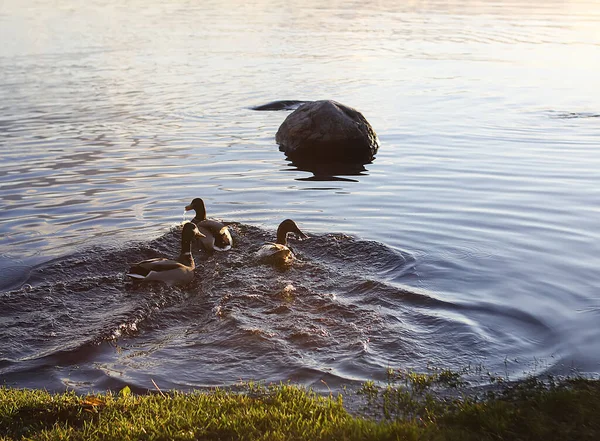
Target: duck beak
(300,235)
(188,207)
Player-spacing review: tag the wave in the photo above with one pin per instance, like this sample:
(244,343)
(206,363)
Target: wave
(572,115)
(339,311)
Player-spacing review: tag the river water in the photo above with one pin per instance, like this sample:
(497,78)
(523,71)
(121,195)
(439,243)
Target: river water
(471,239)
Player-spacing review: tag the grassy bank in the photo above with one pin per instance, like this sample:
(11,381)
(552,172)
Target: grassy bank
(409,410)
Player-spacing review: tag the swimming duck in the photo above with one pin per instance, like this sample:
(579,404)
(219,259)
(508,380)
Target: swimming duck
(179,271)
(218,237)
(278,252)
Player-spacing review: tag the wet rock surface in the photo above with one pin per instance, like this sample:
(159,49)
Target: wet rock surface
(327,131)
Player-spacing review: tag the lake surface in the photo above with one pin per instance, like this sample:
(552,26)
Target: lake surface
(471,239)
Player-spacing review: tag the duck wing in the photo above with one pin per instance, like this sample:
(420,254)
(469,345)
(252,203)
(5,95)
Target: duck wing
(157,265)
(274,253)
(221,237)
(223,241)
(162,265)
(212,225)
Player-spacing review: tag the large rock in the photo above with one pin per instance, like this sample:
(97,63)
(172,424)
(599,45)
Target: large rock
(327,131)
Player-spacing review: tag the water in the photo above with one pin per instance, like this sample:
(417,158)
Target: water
(472,237)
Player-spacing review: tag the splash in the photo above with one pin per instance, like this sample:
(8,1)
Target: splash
(339,310)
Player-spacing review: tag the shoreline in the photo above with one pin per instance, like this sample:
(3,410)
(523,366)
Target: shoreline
(413,406)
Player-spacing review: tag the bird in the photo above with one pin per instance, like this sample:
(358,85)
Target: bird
(171,271)
(278,252)
(218,237)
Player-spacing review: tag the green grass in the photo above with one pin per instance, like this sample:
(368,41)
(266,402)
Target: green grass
(410,408)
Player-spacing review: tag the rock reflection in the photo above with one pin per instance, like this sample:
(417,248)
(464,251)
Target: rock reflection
(330,171)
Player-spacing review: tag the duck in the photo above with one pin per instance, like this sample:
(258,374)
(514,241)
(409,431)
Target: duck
(171,271)
(278,252)
(217,235)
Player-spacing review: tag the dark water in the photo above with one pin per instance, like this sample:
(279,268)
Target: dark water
(472,237)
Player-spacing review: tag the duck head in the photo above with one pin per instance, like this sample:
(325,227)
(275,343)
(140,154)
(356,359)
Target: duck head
(189,232)
(198,206)
(286,227)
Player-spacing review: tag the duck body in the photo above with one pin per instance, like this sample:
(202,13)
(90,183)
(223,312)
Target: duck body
(217,235)
(171,271)
(275,253)
(278,253)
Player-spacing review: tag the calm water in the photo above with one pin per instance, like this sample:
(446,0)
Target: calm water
(472,238)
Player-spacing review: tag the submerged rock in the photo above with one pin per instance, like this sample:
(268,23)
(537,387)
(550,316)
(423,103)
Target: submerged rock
(280,105)
(327,131)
